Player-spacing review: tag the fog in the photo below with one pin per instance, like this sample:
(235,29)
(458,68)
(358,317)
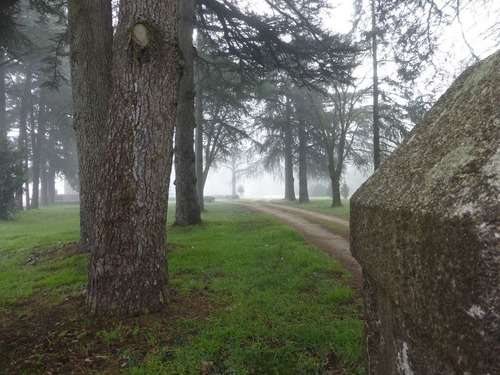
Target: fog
(270,186)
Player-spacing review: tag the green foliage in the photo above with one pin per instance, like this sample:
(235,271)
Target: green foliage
(11,179)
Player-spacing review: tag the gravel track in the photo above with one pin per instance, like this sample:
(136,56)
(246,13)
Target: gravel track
(334,244)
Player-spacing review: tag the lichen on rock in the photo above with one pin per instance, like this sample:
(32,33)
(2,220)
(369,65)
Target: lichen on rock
(426,230)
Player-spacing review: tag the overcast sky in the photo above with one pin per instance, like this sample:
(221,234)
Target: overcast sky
(473,28)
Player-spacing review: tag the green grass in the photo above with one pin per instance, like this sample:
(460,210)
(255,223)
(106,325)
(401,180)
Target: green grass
(278,305)
(29,248)
(338,228)
(322,205)
(287,306)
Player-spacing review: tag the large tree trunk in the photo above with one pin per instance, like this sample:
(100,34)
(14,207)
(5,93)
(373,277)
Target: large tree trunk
(91,52)
(200,180)
(289,180)
(187,208)
(128,270)
(376,114)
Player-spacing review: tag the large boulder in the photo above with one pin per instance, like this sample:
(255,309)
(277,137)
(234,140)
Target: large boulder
(425,228)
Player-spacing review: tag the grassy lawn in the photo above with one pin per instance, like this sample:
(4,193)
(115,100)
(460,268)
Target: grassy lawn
(30,247)
(322,205)
(248,296)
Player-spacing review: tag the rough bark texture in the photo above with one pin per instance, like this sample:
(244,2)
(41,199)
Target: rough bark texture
(128,273)
(425,228)
(91,51)
(187,208)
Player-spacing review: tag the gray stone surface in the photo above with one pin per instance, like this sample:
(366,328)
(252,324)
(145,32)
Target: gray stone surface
(426,230)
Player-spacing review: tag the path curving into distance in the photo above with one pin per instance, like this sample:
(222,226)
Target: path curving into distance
(334,244)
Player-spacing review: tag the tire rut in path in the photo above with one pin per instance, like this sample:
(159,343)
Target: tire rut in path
(327,240)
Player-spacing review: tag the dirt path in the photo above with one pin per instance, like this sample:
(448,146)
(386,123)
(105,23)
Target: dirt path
(334,244)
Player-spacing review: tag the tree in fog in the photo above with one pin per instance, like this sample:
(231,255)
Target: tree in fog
(343,120)
(11,178)
(403,37)
(187,207)
(91,35)
(35,94)
(344,190)
(289,41)
(127,271)
(278,121)
(223,119)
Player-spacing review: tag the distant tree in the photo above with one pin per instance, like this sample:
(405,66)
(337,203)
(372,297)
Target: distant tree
(403,34)
(241,190)
(344,190)
(37,95)
(277,119)
(222,111)
(342,127)
(11,178)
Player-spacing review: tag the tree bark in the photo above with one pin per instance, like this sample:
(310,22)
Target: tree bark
(127,271)
(289,180)
(335,180)
(376,113)
(187,208)
(200,180)
(91,34)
